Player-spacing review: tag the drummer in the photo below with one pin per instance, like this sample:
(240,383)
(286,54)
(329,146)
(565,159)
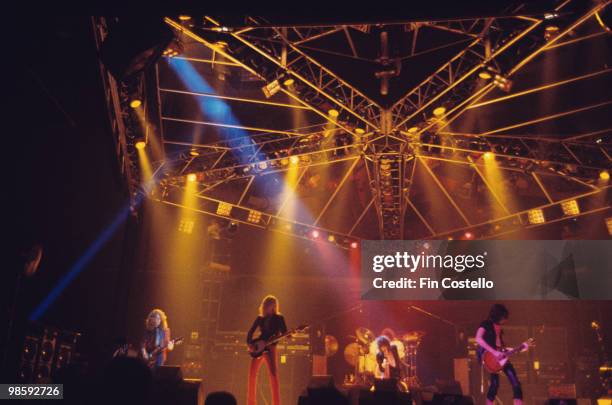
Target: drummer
(390,334)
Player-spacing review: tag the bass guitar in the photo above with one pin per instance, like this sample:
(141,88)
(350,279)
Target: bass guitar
(494,364)
(155,352)
(260,346)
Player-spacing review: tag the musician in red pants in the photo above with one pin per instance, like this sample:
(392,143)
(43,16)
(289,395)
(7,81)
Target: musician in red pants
(270,324)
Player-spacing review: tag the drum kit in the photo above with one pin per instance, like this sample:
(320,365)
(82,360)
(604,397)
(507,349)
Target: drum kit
(361,354)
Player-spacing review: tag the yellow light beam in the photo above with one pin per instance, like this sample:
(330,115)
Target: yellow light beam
(450,199)
(337,190)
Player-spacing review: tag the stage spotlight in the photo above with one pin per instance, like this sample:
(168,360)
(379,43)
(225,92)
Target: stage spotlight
(135,103)
(140,145)
(550,16)
(609,225)
(284,162)
(262,165)
(184,17)
(485,74)
(186,225)
(604,175)
(413,130)
(439,112)
(488,156)
(224,209)
(289,82)
(191,177)
(550,32)
(570,207)
(359,131)
(271,88)
(354,245)
(331,238)
(194,152)
(468,235)
(315,234)
(536,216)
(503,83)
(294,160)
(333,113)
(254,217)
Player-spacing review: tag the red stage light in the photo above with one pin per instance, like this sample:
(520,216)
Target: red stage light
(354,245)
(315,234)
(468,235)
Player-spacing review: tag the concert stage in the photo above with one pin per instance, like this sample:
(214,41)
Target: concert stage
(196,196)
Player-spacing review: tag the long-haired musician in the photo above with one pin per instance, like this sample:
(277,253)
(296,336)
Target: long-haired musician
(270,323)
(388,359)
(156,335)
(489,337)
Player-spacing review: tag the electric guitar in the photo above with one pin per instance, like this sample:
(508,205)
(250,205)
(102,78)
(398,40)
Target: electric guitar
(155,352)
(260,346)
(494,365)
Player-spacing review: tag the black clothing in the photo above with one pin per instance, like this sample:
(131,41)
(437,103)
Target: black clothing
(269,326)
(489,337)
(394,372)
(517,391)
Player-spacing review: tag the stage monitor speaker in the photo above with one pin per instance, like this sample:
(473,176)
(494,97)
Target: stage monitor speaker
(448,399)
(169,373)
(177,392)
(321,381)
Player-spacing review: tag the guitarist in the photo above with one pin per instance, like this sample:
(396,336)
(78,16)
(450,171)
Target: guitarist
(270,324)
(157,334)
(489,337)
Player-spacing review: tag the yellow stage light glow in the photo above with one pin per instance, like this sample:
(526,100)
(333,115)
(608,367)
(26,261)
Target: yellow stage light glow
(191,177)
(184,17)
(224,209)
(488,156)
(536,216)
(194,152)
(254,217)
(294,160)
(609,225)
(288,82)
(333,113)
(359,131)
(604,175)
(284,162)
(570,207)
(331,238)
(140,145)
(438,112)
(186,225)
(413,130)
(135,103)
(485,75)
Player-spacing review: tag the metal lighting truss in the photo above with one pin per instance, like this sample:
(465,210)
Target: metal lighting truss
(389,142)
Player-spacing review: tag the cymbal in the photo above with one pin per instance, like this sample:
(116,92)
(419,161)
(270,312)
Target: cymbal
(413,336)
(364,335)
(331,345)
(351,353)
